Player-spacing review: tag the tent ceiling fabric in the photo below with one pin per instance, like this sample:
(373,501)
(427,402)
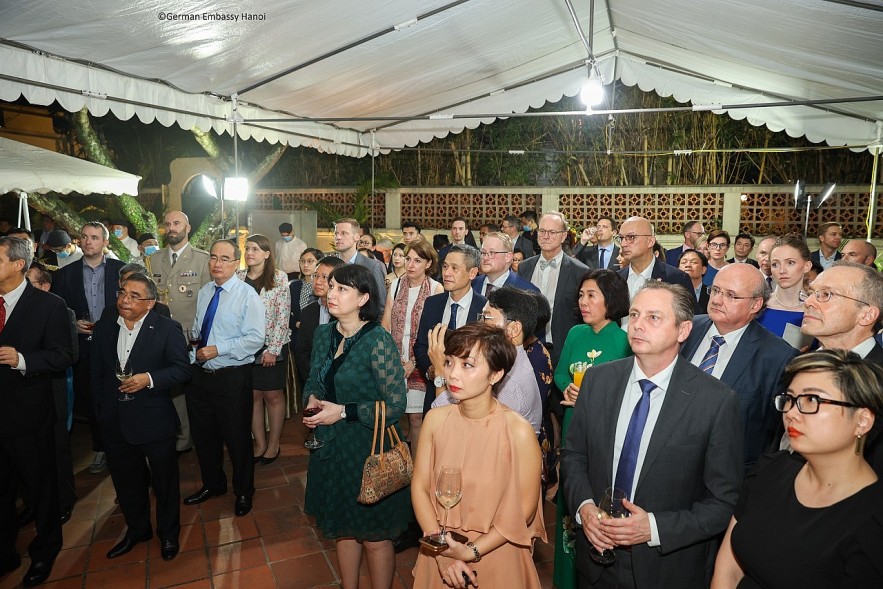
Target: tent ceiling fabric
(483,57)
(31,169)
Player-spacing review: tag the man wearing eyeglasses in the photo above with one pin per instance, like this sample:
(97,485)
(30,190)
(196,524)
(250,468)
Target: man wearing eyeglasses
(230,319)
(496,258)
(142,427)
(732,346)
(693,230)
(636,238)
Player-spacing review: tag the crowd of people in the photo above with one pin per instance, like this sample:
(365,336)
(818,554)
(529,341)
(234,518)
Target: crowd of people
(689,414)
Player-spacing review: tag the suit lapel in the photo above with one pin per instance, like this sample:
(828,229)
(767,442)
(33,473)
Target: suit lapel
(700,328)
(145,336)
(742,355)
(17,316)
(611,409)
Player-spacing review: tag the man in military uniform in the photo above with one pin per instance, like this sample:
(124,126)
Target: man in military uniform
(179,271)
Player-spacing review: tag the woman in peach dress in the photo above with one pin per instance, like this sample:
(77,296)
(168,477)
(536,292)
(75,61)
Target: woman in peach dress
(500,512)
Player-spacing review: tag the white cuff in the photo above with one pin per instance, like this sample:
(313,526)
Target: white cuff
(578,519)
(150,378)
(654,531)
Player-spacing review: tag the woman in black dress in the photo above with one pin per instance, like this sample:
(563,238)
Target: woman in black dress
(814,517)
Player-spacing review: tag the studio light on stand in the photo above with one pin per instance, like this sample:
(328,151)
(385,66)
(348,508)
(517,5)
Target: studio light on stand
(807,202)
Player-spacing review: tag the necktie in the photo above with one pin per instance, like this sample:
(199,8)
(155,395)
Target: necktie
(452,322)
(174,259)
(553,263)
(601,258)
(769,281)
(710,358)
(2,314)
(628,459)
(210,317)
(489,289)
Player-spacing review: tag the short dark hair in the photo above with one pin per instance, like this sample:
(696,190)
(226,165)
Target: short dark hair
(330,261)
(825,226)
(286,228)
(97,225)
(44,276)
(491,227)
(455,219)
(371,237)
(702,257)
(512,220)
(747,236)
(688,226)
(544,311)
(609,218)
(515,305)
(411,224)
(491,342)
(529,215)
(236,251)
(719,233)
(683,303)
(22,230)
(426,252)
(615,290)
(314,251)
(440,240)
(149,284)
(471,254)
(359,278)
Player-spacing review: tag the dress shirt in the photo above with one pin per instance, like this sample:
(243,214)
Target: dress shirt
(725,352)
(637,279)
(465,304)
(9,301)
(288,254)
(608,252)
(862,349)
(546,279)
(324,315)
(500,282)
(93,286)
(126,340)
(178,253)
(698,290)
(238,329)
(827,262)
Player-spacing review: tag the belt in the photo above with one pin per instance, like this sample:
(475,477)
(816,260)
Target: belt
(216,371)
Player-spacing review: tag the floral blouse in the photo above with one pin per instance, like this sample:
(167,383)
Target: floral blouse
(277,308)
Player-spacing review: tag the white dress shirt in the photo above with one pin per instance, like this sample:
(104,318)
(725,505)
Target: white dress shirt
(637,279)
(465,303)
(9,301)
(725,352)
(126,340)
(547,281)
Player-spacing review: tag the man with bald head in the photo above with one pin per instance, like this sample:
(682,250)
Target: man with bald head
(636,239)
(860,252)
(732,346)
(764,249)
(179,270)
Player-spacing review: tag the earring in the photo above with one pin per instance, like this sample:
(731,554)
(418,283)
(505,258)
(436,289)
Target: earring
(859,445)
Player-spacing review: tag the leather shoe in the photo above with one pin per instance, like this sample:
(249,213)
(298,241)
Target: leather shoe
(38,573)
(203,495)
(125,546)
(242,505)
(26,516)
(10,564)
(66,513)
(169,549)
(265,460)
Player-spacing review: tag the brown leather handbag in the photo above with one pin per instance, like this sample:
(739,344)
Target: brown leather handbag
(385,473)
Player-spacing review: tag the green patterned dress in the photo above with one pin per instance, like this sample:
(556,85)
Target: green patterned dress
(369,370)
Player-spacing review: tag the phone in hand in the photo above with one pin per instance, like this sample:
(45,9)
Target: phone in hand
(436,544)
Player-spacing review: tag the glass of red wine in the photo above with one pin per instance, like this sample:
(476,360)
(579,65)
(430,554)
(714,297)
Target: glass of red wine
(312,443)
(194,337)
(610,506)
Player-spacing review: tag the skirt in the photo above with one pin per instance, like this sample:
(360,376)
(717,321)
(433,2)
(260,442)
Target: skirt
(272,378)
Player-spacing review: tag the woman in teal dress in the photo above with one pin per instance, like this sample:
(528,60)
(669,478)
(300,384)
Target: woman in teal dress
(603,302)
(789,263)
(355,362)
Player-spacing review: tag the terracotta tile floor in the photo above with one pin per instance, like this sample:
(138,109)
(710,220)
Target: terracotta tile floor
(274,546)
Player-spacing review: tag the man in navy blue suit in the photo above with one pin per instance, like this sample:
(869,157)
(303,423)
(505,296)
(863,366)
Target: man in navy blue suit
(693,230)
(455,307)
(636,238)
(732,346)
(830,238)
(496,258)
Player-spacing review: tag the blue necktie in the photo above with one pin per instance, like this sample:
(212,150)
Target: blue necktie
(452,322)
(628,459)
(710,358)
(210,317)
(601,259)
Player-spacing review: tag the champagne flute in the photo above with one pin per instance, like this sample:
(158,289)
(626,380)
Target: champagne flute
(448,492)
(312,443)
(124,372)
(610,506)
(88,324)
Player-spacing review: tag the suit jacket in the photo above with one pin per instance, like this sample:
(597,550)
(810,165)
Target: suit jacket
(665,273)
(816,256)
(512,280)
(751,261)
(159,349)
(589,257)
(874,446)
(690,479)
(701,307)
(673,255)
(526,246)
(755,373)
(378,272)
(39,329)
(179,285)
(303,346)
(564,313)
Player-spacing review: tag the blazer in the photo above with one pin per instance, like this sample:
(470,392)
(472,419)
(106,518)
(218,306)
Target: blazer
(816,256)
(378,272)
(701,307)
(665,273)
(39,329)
(159,349)
(751,261)
(755,372)
(690,478)
(526,246)
(303,345)
(179,285)
(512,280)
(673,255)
(589,257)
(564,314)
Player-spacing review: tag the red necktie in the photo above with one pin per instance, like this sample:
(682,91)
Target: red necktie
(2,314)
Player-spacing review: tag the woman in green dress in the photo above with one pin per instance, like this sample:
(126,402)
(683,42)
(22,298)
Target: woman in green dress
(603,302)
(354,363)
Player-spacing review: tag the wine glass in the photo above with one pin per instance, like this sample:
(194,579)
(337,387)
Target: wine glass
(610,506)
(88,324)
(448,492)
(194,337)
(124,372)
(312,443)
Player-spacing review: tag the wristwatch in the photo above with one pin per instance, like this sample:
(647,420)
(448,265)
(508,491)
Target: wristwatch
(343,411)
(439,381)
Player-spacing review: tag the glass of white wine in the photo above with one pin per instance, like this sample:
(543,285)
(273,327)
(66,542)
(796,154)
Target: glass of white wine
(124,372)
(448,491)
(610,506)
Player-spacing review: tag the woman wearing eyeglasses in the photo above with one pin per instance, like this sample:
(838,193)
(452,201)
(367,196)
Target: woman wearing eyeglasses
(718,245)
(789,263)
(814,517)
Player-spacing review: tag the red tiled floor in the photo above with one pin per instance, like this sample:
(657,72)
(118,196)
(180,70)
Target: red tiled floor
(236,556)
(254,577)
(188,566)
(230,529)
(303,572)
(291,544)
(125,577)
(98,558)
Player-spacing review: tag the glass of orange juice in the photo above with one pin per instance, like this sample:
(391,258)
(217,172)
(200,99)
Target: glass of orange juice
(578,370)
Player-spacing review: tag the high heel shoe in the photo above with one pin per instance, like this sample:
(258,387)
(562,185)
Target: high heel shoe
(265,460)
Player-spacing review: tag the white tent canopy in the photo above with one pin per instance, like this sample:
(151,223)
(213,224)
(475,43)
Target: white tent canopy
(178,63)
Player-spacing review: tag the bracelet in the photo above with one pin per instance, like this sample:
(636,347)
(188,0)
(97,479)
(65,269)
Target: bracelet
(474,551)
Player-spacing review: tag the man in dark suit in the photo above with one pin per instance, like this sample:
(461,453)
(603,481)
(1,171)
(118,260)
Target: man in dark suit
(496,258)
(742,247)
(35,341)
(455,307)
(603,254)
(314,315)
(693,230)
(346,235)
(636,237)
(87,286)
(732,346)
(665,433)
(512,227)
(137,418)
(830,238)
(460,235)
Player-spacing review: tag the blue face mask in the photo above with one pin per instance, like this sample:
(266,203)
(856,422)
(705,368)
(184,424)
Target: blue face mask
(526,228)
(287,238)
(62,254)
(118,233)
(150,250)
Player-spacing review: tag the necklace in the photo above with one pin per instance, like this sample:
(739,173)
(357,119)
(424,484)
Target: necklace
(778,300)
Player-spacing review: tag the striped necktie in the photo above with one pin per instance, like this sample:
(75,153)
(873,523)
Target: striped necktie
(710,358)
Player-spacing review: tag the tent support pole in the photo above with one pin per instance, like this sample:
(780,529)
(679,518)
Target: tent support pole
(24,219)
(872,201)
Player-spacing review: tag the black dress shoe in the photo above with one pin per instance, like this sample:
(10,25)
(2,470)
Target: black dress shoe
(265,460)
(125,546)
(203,495)
(258,459)
(26,516)
(66,513)
(10,564)
(38,573)
(183,452)
(242,505)
(169,549)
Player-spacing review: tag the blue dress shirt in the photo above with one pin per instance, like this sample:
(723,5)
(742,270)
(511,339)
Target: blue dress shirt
(238,329)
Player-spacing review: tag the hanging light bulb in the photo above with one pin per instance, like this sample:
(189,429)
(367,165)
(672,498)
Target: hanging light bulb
(592,92)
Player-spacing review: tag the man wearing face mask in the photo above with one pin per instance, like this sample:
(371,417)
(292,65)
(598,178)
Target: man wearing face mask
(147,246)
(121,231)
(288,250)
(59,245)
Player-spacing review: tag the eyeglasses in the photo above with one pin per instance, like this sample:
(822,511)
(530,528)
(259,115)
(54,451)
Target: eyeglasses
(717,246)
(487,317)
(490,254)
(629,238)
(121,294)
(222,259)
(823,296)
(550,232)
(714,291)
(806,404)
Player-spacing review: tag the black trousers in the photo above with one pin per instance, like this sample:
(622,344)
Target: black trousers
(619,575)
(64,462)
(83,399)
(30,457)
(220,408)
(131,477)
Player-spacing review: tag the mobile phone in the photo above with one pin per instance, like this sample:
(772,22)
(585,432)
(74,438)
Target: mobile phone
(434,542)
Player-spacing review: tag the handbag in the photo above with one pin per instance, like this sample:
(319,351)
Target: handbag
(386,472)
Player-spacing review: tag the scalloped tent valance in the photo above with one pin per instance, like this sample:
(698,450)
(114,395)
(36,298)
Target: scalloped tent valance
(292,62)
